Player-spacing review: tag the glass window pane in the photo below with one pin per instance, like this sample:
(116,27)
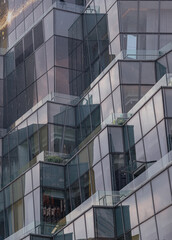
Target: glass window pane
(61,55)
(162,137)
(147,117)
(144,201)
(52,175)
(119,179)
(36,176)
(27,182)
(18,215)
(107,108)
(80,232)
(104,147)
(28,44)
(90,224)
(62,80)
(128,14)
(55,133)
(97,179)
(23,155)
(130,213)
(8,196)
(152,148)
(161,187)
(69,232)
(29,211)
(30,69)
(40,59)
(116,139)
(32,124)
(117,100)
(148,230)
(62,27)
(20,78)
(94,151)
(17,189)
(164,222)
(83,161)
(158,103)
(113,22)
(166,17)
(130,96)
(114,76)
(148,18)
(38,35)
(147,42)
(104,86)
(19,53)
(107,173)
(37,202)
(50,53)
(168,97)
(104,223)
(148,73)
(129,72)
(134,130)
(9,62)
(118,222)
(42,87)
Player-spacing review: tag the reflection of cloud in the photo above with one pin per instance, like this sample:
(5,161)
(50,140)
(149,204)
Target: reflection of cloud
(11,15)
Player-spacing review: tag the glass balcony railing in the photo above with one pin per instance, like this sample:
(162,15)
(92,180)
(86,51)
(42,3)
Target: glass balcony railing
(100,198)
(23,232)
(147,175)
(52,97)
(105,198)
(52,157)
(117,119)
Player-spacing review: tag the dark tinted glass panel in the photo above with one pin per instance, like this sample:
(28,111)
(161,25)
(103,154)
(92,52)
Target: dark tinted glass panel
(118,221)
(52,176)
(20,78)
(31,96)
(30,70)
(21,103)
(38,35)
(105,223)
(19,53)
(28,44)
(116,139)
(11,86)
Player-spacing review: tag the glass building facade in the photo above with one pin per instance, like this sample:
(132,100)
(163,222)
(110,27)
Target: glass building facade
(85,119)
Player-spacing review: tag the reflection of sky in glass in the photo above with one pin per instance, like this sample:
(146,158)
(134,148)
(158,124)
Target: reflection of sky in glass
(6,16)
